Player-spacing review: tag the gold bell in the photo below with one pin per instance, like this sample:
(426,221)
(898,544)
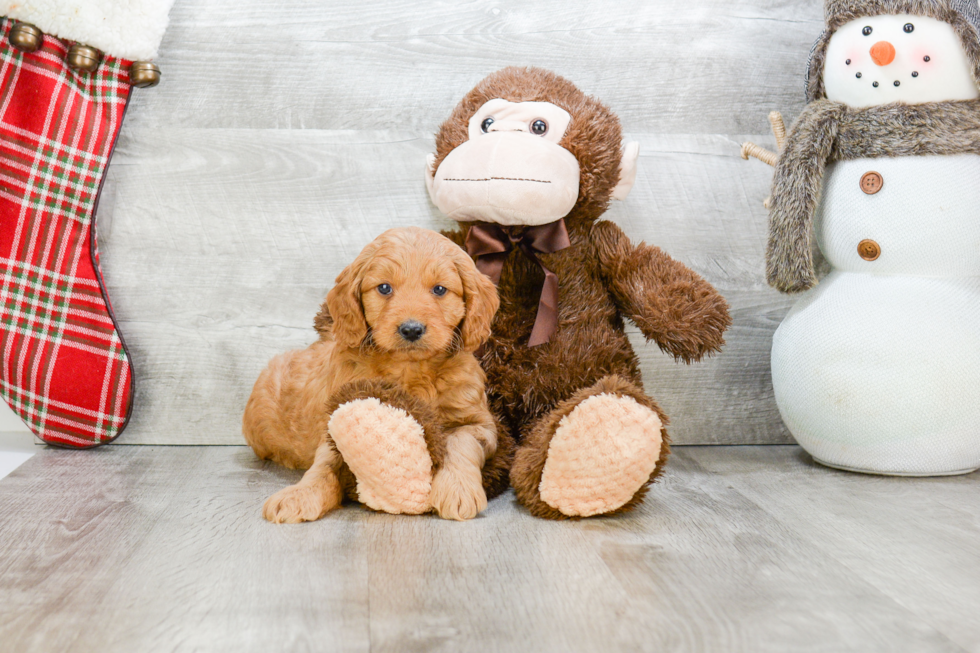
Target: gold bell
(84,57)
(143,74)
(25,37)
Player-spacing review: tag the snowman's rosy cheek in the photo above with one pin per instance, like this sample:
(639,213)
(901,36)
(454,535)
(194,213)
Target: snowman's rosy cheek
(921,56)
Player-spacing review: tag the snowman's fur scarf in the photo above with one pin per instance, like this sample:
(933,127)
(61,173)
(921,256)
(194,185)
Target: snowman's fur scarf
(841,12)
(830,131)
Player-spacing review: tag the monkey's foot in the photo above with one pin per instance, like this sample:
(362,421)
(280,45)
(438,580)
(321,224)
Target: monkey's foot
(386,451)
(601,454)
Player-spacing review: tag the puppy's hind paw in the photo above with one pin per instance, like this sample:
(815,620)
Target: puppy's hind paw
(458,494)
(298,503)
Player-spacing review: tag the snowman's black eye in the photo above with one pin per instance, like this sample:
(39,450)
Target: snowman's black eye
(485,125)
(848,62)
(539,127)
(925,58)
(866,30)
(915,74)
(909,28)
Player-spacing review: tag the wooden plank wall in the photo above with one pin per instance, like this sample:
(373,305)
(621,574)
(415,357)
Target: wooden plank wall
(285,136)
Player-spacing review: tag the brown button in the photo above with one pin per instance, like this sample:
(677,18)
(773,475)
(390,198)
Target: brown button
(871,183)
(869,250)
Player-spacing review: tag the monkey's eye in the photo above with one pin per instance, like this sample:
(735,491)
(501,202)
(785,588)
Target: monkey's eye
(539,127)
(384,289)
(866,30)
(909,28)
(485,125)
(439,291)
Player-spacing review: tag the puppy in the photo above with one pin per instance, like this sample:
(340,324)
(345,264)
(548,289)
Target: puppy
(388,407)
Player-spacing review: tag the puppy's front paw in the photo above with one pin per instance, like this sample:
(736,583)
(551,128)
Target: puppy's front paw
(295,504)
(458,493)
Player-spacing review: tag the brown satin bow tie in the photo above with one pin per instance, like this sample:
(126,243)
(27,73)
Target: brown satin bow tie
(490,244)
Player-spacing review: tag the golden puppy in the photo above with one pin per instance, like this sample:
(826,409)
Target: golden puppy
(388,406)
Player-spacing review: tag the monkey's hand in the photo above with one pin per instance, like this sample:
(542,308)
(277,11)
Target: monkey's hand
(670,303)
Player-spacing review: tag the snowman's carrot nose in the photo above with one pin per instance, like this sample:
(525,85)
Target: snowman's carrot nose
(883,53)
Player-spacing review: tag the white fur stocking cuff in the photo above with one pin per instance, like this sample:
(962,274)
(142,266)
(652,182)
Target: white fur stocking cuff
(127,29)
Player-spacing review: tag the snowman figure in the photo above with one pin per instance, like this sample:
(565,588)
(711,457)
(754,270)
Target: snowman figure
(877,368)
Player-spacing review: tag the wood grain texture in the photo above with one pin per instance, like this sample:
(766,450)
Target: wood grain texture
(219,245)
(285,137)
(750,549)
(920,547)
(713,66)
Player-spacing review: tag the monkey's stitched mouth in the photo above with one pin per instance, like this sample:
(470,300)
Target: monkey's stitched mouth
(537,181)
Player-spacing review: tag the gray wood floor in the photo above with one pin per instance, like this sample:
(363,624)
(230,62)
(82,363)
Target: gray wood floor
(285,136)
(749,549)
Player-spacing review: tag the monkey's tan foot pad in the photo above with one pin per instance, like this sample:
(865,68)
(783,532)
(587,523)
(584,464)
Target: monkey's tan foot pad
(385,450)
(600,455)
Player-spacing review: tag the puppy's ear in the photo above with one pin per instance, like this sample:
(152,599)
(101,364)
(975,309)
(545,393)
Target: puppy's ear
(480,296)
(323,322)
(343,306)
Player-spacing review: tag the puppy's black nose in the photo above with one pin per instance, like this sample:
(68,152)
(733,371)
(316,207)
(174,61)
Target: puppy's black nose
(411,330)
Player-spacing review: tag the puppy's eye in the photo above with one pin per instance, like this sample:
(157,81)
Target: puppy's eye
(384,289)
(866,31)
(909,28)
(485,125)
(439,291)
(539,127)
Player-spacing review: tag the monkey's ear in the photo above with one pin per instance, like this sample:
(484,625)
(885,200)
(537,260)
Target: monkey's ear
(430,172)
(627,171)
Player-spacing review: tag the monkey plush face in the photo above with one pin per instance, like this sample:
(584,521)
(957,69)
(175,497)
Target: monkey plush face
(512,170)
(528,156)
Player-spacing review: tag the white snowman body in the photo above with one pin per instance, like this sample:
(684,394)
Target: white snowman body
(877,368)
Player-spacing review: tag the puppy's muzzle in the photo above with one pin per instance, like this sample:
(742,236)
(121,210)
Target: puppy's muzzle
(411,330)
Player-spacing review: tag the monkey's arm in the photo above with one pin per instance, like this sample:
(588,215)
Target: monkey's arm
(669,302)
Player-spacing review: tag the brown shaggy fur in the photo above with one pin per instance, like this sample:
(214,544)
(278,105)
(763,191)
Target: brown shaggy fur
(533,454)
(830,131)
(436,379)
(840,12)
(603,278)
(390,394)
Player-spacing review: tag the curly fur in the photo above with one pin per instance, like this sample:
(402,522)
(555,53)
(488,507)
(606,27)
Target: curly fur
(603,278)
(830,131)
(436,380)
(841,12)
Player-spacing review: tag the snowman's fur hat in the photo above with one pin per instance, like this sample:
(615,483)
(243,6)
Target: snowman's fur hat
(963,15)
(829,131)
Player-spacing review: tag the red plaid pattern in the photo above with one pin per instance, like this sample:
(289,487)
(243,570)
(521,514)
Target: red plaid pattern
(65,369)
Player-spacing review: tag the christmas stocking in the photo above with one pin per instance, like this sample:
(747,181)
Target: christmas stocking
(66,73)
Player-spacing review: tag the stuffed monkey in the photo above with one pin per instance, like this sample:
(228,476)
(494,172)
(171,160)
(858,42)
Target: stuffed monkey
(527,164)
